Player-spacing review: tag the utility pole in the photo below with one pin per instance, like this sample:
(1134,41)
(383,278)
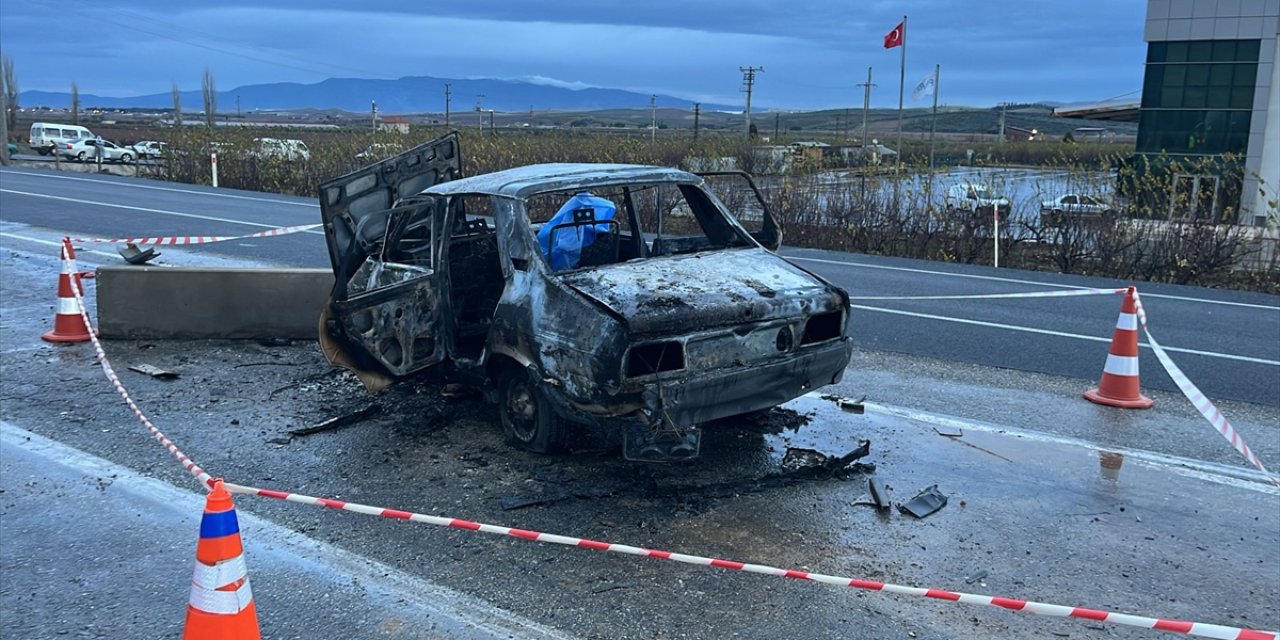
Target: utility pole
(1004,106)
(480,110)
(866,106)
(237,105)
(447,97)
(4,126)
(491,131)
(697,115)
(373,109)
(748,83)
(653,114)
(777,123)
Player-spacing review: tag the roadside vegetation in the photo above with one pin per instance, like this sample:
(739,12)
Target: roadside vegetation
(823,207)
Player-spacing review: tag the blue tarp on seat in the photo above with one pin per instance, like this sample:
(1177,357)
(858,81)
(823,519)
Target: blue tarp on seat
(570,240)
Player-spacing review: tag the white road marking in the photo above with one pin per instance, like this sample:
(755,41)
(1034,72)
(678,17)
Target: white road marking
(149,210)
(53,243)
(1211,471)
(1020,281)
(1060,334)
(155,188)
(457,612)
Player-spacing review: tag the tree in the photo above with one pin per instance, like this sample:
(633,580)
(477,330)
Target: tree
(210,97)
(10,95)
(75,103)
(177,105)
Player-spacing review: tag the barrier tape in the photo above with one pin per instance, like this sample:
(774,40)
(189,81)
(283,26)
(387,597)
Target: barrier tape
(1198,399)
(184,240)
(1200,629)
(187,463)
(1027,606)
(1063,293)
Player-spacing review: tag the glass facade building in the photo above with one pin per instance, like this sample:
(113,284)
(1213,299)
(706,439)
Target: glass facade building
(1208,128)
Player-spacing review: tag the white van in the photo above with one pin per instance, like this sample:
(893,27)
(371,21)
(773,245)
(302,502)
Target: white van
(286,149)
(47,135)
(974,197)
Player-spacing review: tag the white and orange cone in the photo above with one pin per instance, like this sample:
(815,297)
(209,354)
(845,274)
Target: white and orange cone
(221,605)
(1119,385)
(68,324)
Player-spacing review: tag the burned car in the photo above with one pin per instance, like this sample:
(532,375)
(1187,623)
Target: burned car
(624,297)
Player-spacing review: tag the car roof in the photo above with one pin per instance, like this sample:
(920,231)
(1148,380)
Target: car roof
(524,181)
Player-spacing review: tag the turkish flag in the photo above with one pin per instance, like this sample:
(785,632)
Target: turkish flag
(894,38)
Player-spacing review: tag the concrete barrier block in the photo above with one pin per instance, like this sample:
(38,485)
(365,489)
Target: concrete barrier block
(184,303)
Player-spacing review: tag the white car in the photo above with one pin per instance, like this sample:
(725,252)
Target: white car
(1077,203)
(84,150)
(151,149)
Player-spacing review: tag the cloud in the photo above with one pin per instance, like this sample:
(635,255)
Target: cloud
(813,53)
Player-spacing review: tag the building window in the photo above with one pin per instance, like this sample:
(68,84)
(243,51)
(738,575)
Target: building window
(1197,97)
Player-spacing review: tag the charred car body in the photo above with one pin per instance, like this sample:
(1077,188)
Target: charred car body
(622,296)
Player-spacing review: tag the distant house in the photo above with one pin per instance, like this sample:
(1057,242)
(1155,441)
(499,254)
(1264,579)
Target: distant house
(394,124)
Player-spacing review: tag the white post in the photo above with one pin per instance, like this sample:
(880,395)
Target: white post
(995,216)
(213,162)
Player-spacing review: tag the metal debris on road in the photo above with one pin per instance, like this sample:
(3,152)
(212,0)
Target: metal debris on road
(810,462)
(925,503)
(135,256)
(975,577)
(154,372)
(339,422)
(950,432)
(879,494)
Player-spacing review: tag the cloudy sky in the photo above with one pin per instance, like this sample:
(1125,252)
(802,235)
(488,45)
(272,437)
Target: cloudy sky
(814,52)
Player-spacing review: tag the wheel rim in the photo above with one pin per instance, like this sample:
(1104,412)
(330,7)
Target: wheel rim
(521,409)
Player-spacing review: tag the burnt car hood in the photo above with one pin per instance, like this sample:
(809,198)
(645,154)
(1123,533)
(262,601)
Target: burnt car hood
(354,207)
(704,290)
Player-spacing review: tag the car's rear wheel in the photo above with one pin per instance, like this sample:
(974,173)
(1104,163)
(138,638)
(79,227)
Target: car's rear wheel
(80,157)
(527,417)
(126,158)
(44,152)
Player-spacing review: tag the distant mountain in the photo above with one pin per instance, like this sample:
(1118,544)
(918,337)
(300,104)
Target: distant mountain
(411,94)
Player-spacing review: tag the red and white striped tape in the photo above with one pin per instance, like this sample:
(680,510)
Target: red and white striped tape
(1198,399)
(187,463)
(1200,629)
(1056,293)
(1028,606)
(184,240)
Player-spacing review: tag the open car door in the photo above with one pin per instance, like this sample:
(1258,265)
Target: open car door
(743,199)
(385,315)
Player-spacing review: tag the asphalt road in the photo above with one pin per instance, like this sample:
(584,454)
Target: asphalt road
(1227,342)
(1051,498)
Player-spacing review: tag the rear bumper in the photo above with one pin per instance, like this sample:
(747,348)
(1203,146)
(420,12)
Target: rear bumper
(697,399)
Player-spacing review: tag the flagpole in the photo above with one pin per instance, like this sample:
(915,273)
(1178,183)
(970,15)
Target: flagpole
(902,82)
(933,125)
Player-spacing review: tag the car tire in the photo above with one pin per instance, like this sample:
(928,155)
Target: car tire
(527,417)
(44,152)
(126,158)
(80,157)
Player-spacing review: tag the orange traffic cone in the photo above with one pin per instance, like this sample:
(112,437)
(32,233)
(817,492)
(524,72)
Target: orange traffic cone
(1119,384)
(221,605)
(68,324)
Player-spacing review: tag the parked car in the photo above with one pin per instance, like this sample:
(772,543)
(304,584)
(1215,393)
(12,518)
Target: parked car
(46,137)
(575,296)
(151,148)
(974,197)
(285,149)
(1076,204)
(85,149)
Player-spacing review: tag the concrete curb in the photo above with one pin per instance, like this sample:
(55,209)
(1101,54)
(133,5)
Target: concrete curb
(210,303)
